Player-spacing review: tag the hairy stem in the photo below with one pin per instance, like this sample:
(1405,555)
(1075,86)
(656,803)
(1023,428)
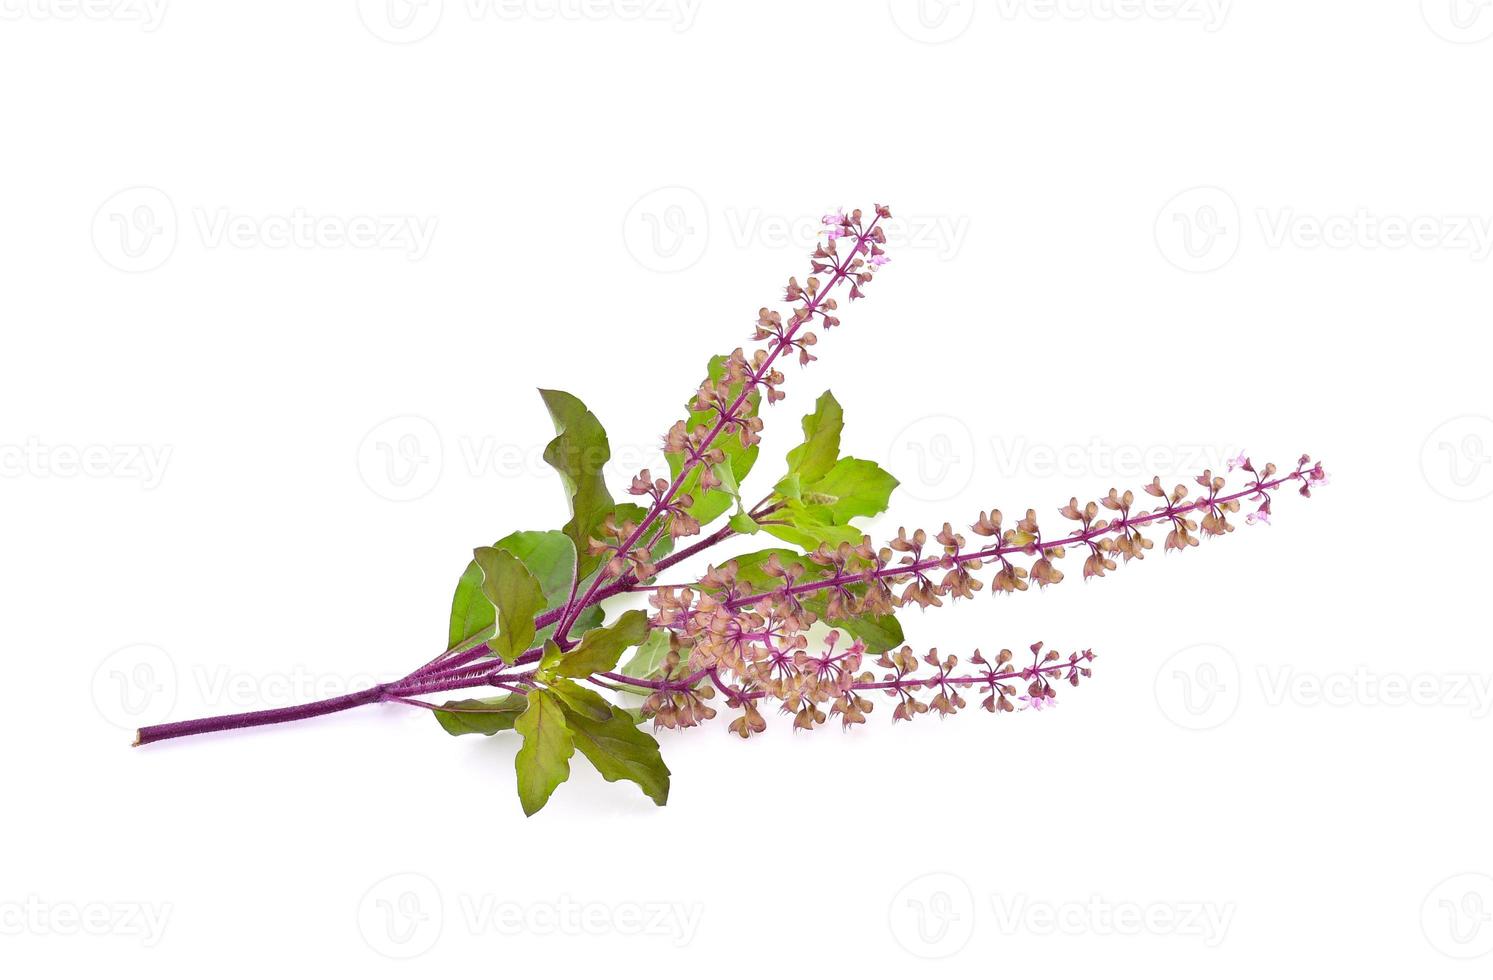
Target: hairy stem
(453,660)
(1035,547)
(252,719)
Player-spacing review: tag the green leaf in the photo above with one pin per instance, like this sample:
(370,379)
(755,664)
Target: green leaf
(600,649)
(728,483)
(578,453)
(472,616)
(821,445)
(708,505)
(581,700)
(548,555)
(852,488)
(518,596)
(619,750)
(788,487)
(749,567)
(819,512)
(822,491)
(543,762)
(482,716)
(878,632)
(808,526)
(743,524)
(648,662)
(548,659)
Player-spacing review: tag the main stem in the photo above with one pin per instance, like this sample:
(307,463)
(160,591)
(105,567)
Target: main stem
(447,674)
(253,719)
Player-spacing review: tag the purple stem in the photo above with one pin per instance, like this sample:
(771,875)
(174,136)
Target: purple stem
(448,675)
(1169,512)
(251,719)
(447,662)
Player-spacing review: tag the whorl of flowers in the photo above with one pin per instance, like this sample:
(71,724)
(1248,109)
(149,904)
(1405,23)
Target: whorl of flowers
(809,631)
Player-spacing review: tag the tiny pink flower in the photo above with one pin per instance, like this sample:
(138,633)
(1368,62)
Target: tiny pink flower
(838,218)
(880,260)
(1039,702)
(1238,462)
(1261,516)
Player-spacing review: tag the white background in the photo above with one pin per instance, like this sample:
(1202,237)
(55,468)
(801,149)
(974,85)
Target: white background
(597,197)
